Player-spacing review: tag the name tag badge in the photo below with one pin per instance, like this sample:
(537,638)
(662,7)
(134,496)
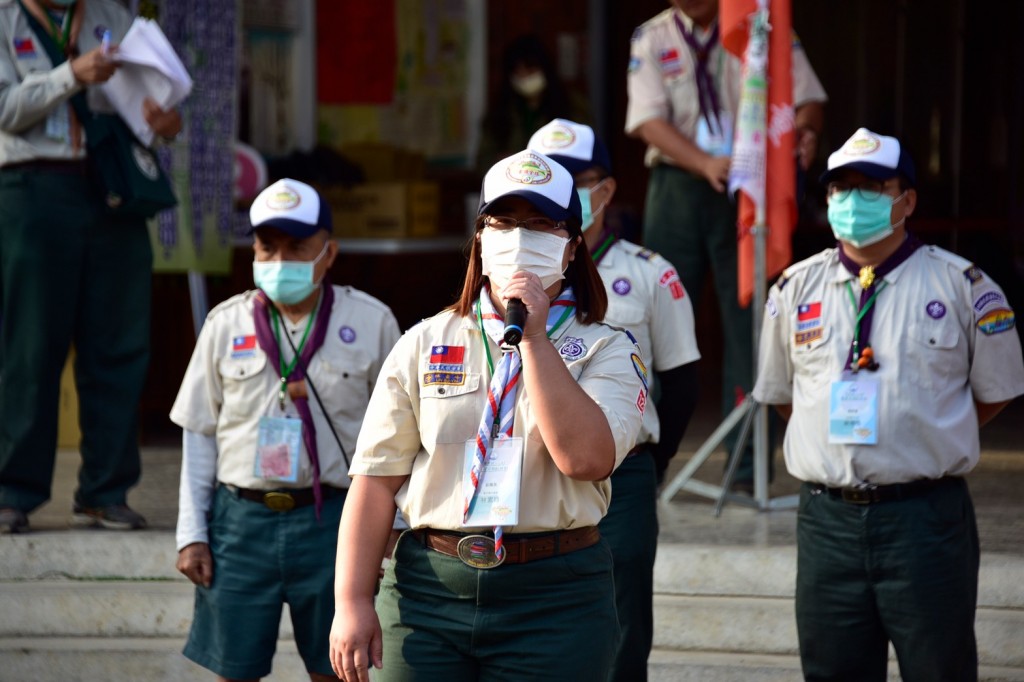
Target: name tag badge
(278,443)
(58,124)
(497,500)
(715,142)
(853,411)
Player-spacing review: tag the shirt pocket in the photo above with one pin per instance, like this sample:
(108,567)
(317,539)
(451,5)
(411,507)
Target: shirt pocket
(344,384)
(451,413)
(812,361)
(933,359)
(243,391)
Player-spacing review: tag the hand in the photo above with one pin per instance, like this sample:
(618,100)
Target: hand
(196,563)
(356,640)
(716,171)
(527,288)
(806,147)
(94,66)
(166,124)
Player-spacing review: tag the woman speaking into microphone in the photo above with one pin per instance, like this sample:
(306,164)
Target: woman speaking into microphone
(498,456)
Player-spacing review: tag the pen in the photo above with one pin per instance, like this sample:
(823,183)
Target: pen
(105,43)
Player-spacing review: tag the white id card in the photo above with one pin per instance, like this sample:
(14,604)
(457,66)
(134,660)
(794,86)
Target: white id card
(58,123)
(278,444)
(715,142)
(853,411)
(497,500)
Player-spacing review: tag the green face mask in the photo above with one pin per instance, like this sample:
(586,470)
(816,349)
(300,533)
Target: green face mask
(861,221)
(588,210)
(286,281)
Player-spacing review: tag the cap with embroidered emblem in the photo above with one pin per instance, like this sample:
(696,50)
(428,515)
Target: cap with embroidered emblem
(537,178)
(571,144)
(877,156)
(291,206)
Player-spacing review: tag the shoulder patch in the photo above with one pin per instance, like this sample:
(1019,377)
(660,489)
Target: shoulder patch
(996,322)
(974,274)
(645,254)
(987,299)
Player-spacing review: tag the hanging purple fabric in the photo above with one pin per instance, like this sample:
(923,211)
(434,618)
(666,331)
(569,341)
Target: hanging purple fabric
(706,94)
(265,337)
(905,251)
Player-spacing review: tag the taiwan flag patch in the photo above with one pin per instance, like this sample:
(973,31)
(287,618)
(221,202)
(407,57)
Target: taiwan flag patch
(24,48)
(808,311)
(243,346)
(447,355)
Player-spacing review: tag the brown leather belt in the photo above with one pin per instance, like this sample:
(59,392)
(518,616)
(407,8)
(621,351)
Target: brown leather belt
(884,493)
(284,500)
(519,549)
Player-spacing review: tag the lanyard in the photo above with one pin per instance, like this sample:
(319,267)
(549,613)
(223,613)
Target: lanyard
(286,370)
(487,347)
(61,36)
(603,248)
(855,353)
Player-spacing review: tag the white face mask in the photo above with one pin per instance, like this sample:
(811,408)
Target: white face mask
(530,86)
(506,252)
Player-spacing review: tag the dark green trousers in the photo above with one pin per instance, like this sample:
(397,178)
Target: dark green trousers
(631,529)
(904,571)
(694,228)
(69,273)
(552,619)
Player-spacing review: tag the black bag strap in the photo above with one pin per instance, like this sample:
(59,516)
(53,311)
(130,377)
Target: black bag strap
(78,101)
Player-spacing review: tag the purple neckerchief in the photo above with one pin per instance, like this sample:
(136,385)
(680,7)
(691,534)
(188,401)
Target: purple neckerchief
(265,337)
(905,251)
(706,95)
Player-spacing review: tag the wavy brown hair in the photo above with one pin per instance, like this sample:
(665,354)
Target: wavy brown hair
(581,275)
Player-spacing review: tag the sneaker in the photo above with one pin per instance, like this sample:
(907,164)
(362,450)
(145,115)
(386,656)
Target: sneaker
(12,521)
(114,517)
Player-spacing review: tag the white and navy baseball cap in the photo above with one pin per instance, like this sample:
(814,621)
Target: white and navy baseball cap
(537,178)
(877,156)
(291,206)
(571,144)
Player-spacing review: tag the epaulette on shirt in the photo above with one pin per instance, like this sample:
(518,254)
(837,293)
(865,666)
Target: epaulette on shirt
(970,271)
(788,273)
(645,254)
(228,303)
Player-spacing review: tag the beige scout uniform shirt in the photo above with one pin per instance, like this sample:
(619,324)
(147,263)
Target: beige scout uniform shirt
(661,82)
(420,429)
(943,336)
(31,89)
(646,296)
(230,384)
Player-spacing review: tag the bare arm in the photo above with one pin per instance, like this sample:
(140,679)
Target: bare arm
(785,411)
(988,411)
(684,153)
(365,526)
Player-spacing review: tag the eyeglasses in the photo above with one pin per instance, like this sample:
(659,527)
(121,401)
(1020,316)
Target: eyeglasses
(498,222)
(869,190)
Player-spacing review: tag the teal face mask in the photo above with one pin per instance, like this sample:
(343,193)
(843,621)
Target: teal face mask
(588,212)
(860,221)
(286,281)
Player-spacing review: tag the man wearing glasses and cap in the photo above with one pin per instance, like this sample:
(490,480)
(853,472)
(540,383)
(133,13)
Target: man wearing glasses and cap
(271,405)
(886,355)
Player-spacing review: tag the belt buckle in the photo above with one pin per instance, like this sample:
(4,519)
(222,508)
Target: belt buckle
(279,502)
(477,551)
(857,495)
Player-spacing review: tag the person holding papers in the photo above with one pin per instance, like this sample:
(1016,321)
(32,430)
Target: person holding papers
(70,271)
(498,456)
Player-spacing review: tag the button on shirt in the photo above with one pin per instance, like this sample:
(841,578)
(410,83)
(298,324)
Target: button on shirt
(661,82)
(420,418)
(31,88)
(943,336)
(646,296)
(229,384)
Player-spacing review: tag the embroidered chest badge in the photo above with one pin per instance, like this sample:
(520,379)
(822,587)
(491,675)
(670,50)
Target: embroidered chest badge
(572,348)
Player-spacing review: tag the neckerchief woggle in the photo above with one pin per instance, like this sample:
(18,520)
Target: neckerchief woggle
(297,370)
(499,410)
(872,283)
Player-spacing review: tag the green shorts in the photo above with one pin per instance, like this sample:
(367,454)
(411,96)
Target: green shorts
(261,560)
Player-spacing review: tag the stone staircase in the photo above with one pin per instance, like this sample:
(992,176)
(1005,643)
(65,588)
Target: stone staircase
(93,606)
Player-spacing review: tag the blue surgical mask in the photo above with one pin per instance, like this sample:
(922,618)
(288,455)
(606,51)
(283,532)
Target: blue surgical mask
(588,211)
(286,281)
(862,222)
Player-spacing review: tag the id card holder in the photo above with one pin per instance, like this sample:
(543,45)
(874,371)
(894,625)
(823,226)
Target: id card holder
(278,444)
(497,501)
(58,124)
(715,142)
(853,411)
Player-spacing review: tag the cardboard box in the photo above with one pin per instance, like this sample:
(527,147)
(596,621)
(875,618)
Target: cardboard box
(385,210)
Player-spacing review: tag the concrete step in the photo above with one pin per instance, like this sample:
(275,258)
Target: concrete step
(91,659)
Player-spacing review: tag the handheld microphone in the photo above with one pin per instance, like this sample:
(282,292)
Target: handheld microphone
(515,320)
